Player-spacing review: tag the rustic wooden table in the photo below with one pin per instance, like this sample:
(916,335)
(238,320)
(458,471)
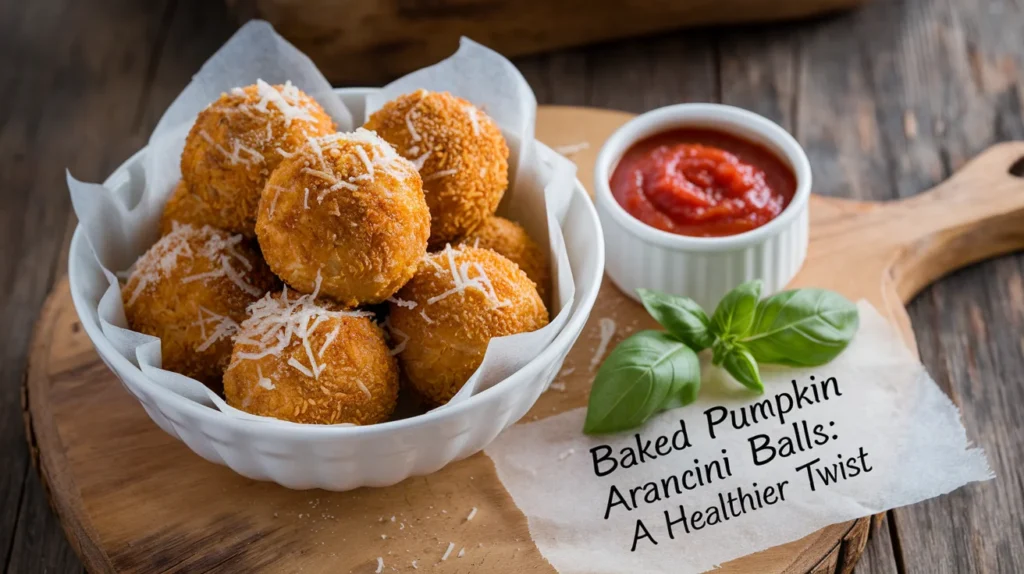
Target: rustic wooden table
(888,101)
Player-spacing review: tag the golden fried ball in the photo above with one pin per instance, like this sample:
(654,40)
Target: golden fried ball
(186,207)
(459,151)
(190,290)
(238,141)
(348,209)
(509,239)
(306,360)
(444,317)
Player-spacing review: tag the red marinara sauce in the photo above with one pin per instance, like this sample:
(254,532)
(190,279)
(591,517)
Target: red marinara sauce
(702,183)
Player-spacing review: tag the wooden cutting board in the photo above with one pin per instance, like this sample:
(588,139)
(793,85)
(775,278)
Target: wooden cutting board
(132,498)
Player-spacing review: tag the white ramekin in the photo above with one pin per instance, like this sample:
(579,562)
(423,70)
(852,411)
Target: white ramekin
(347,457)
(702,268)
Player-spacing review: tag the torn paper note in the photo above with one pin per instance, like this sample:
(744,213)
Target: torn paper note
(735,473)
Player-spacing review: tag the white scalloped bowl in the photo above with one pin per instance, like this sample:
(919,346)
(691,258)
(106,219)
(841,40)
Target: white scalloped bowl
(347,457)
(703,268)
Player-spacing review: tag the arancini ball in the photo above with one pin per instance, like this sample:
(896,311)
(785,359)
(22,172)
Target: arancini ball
(191,289)
(307,360)
(347,208)
(509,239)
(238,141)
(458,150)
(186,207)
(443,319)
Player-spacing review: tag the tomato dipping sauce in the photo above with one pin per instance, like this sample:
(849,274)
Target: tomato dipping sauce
(702,183)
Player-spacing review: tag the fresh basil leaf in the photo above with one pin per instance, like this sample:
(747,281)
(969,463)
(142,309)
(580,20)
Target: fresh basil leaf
(645,374)
(735,312)
(739,363)
(719,350)
(803,327)
(682,316)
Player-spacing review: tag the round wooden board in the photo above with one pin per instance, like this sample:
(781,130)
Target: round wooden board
(132,498)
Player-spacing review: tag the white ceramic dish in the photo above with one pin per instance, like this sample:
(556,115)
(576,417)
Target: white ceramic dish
(347,457)
(702,268)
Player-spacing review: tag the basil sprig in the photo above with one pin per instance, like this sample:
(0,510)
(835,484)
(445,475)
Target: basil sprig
(653,371)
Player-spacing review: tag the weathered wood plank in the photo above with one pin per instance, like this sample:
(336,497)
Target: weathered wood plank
(73,74)
(367,42)
(879,557)
(893,99)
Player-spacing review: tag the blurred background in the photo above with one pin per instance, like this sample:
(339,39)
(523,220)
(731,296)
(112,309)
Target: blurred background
(888,97)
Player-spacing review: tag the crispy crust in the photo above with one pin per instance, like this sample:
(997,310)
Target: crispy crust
(445,337)
(365,238)
(509,239)
(237,142)
(466,171)
(187,207)
(357,354)
(162,300)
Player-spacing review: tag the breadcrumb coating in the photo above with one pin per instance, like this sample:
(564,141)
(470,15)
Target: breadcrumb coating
(350,209)
(191,289)
(186,207)
(443,319)
(509,239)
(238,141)
(307,360)
(459,151)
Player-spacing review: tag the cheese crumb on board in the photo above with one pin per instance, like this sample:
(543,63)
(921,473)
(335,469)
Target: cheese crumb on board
(607,326)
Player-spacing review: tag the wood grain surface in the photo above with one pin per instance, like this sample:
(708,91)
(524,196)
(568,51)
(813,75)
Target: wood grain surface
(888,101)
(367,43)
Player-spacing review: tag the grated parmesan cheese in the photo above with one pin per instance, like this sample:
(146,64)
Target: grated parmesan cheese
(376,156)
(440,174)
(366,392)
(380,564)
(420,160)
(409,126)
(471,110)
(572,149)
(276,323)
(472,513)
(460,277)
(451,545)
(223,326)
(264,381)
(162,259)
(221,251)
(423,313)
(402,302)
(287,101)
(400,346)
(236,147)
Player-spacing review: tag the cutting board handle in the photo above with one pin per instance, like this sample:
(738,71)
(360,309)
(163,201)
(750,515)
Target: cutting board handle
(976,214)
